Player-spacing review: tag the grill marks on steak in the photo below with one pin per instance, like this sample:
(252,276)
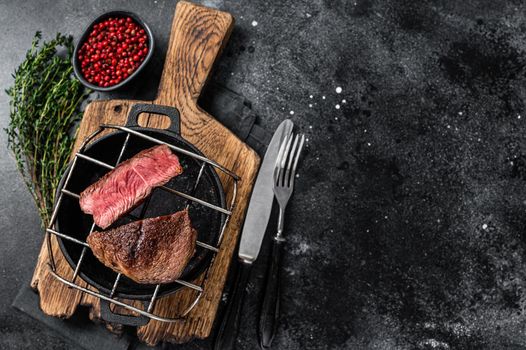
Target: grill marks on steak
(148,251)
(128,184)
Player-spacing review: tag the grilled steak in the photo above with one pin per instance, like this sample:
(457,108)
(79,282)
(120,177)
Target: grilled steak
(147,251)
(128,184)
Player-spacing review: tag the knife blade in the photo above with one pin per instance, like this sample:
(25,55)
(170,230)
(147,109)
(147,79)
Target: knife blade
(256,220)
(260,205)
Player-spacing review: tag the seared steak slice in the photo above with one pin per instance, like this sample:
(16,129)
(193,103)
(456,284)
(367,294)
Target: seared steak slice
(148,251)
(128,184)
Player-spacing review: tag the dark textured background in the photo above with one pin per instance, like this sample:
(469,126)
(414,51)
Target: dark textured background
(407,227)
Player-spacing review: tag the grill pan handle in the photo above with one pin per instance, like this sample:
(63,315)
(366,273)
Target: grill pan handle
(171,112)
(128,320)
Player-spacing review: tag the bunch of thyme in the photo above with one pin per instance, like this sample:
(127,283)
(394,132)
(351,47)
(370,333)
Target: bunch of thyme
(44,107)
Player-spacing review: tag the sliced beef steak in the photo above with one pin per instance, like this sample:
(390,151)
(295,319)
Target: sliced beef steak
(147,251)
(128,184)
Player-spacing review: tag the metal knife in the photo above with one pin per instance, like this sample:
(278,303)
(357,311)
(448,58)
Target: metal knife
(256,221)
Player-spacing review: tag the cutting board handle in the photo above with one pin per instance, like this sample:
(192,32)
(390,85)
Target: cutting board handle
(198,35)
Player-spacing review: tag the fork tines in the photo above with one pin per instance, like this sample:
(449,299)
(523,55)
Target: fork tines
(287,160)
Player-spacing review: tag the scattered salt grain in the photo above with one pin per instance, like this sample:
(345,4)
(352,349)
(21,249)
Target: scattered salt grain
(323,97)
(519,116)
(291,112)
(368,143)
(310,105)
(310,126)
(254,23)
(308,15)
(337,106)
(311,96)
(344,101)
(338,90)
(485,226)
(460,113)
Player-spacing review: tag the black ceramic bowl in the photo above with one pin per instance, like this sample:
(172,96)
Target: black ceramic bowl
(117,14)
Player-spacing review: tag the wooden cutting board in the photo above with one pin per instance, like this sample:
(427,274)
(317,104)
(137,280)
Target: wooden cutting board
(197,36)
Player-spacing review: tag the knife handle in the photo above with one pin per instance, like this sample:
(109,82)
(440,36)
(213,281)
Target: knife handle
(227,334)
(268,319)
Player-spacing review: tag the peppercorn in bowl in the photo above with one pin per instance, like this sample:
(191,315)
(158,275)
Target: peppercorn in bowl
(112,51)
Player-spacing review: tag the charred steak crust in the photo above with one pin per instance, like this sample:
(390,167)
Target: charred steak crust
(148,251)
(120,190)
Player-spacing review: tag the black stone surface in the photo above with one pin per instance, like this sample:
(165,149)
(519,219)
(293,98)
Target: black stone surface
(407,227)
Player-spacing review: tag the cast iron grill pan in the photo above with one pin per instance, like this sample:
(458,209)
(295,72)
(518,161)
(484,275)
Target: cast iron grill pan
(207,221)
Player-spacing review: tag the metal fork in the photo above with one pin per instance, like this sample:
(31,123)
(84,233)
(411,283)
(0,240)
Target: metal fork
(284,175)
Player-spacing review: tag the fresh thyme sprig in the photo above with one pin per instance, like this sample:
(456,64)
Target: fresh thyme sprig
(45,104)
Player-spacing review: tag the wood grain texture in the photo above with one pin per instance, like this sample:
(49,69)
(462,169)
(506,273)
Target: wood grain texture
(198,34)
